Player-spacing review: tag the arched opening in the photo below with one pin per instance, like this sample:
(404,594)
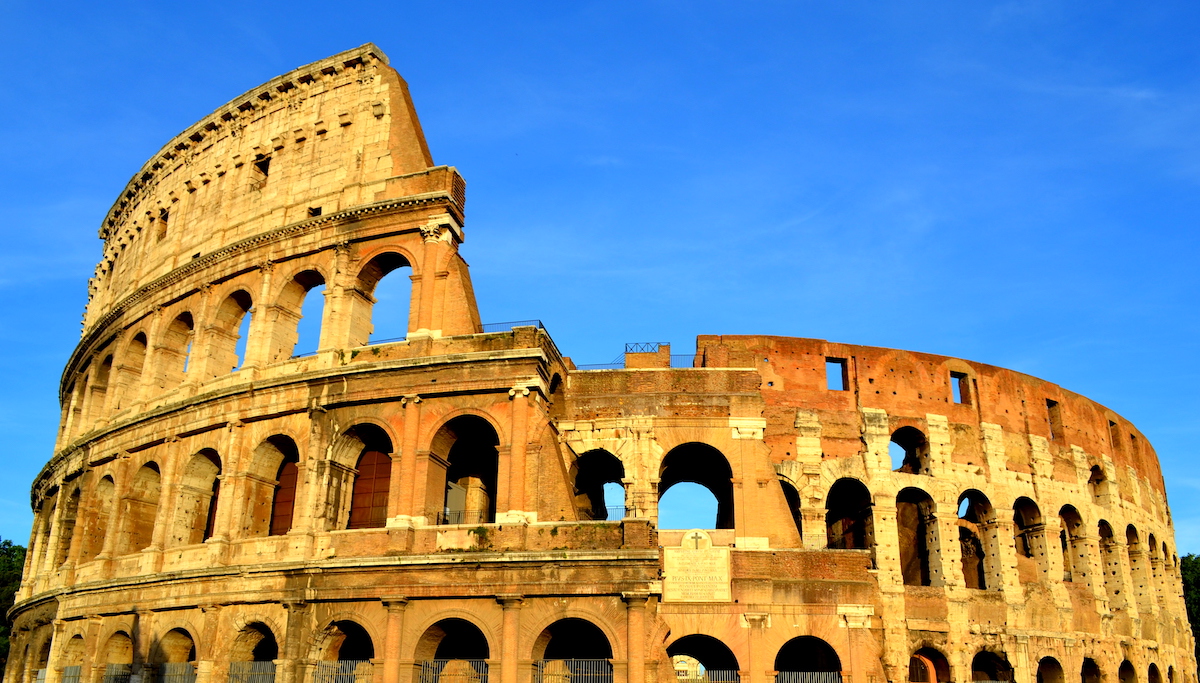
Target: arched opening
(384,296)
(1126,674)
(252,658)
(598,474)
(300,307)
(464,457)
(1098,484)
(372,478)
(974,528)
(174,657)
(452,651)
(129,372)
(98,515)
(140,509)
(705,466)
(791,497)
(117,657)
(927,665)
(229,332)
(1152,674)
(990,666)
(699,658)
(1029,536)
(41,660)
(174,356)
(1090,671)
(849,522)
(347,654)
(1137,567)
(1050,671)
(1110,553)
(196,502)
(72,660)
(807,659)
(98,390)
(909,451)
(270,490)
(66,532)
(1074,547)
(572,651)
(916,528)
(1155,568)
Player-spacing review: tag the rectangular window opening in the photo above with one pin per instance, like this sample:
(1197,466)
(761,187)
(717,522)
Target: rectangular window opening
(160,225)
(1054,415)
(1114,435)
(836,378)
(314,211)
(960,386)
(263,164)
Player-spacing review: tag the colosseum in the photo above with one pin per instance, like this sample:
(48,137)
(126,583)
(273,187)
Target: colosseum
(465,504)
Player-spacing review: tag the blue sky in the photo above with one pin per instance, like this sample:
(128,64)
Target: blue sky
(1011,183)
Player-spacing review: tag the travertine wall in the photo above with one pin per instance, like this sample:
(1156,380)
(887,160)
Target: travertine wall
(217,503)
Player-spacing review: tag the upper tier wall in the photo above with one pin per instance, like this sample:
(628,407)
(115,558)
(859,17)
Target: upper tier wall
(315,141)
(910,385)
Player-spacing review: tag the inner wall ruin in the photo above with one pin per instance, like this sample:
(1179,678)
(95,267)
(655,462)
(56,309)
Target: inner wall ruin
(465,504)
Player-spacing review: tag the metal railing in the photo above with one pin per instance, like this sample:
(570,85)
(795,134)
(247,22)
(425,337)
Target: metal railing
(712,676)
(117,673)
(683,360)
(176,672)
(808,677)
(678,360)
(644,347)
(615,365)
(612,513)
(453,671)
(71,674)
(344,671)
(39,676)
(464,517)
(506,327)
(251,672)
(572,671)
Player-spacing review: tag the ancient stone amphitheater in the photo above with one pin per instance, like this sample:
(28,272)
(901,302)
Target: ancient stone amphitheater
(432,509)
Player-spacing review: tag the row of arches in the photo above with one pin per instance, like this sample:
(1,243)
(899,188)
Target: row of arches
(199,341)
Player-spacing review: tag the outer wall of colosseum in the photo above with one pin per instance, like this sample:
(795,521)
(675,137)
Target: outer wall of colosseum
(432,508)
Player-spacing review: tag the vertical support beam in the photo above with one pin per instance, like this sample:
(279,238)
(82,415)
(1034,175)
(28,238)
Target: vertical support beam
(516,457)
(406,483)
(755,662)
(395,607)
(510,631)
(635,611)
(289,664)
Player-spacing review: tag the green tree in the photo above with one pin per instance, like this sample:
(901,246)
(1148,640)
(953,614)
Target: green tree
(12,563)
(1189,567)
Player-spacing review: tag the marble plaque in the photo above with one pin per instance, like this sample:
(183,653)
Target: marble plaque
(696,571)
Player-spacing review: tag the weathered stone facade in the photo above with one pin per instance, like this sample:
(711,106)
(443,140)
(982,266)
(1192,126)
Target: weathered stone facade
(431,509)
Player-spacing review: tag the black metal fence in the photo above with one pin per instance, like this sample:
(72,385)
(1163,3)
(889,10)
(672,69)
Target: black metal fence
(453,671)
(572,671)
(808,677)
(175,672)
(72,674)
(344,671)
(117,673)
(464,517)
(251,672)
(712,676)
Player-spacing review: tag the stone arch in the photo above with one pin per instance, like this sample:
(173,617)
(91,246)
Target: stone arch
(909,451)
(928,665)
(454,637)
(804,655)
(118,649)
(572,638)
(97,389)
(255,642)
(714,660)
(176,646)
(73,652)
(977,539)
(917,530)
(1029,537)
(139,509)
(463,471)
(1110,554)
(1152,674)
(1098,483)
(1050,671)
(291,302)
(592,472)
(702,464)
(1089,671)
(369,482)
(98,514)
(849,520)
(791,498)
(1126,673)
(1072,540)
(175,353)
(68,519)
(991,666)
(1139,573)
(230,325)
(129,371)
(379,264)
(345,638)
(197,494)
(271,485)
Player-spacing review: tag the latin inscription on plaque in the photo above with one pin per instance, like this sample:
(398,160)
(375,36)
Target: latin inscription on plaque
(696,571)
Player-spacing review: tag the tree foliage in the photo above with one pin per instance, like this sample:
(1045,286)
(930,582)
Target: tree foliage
(12,562)
(1189,568)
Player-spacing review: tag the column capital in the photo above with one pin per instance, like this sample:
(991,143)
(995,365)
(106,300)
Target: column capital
(510,600)
(635,599)
(394,603)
